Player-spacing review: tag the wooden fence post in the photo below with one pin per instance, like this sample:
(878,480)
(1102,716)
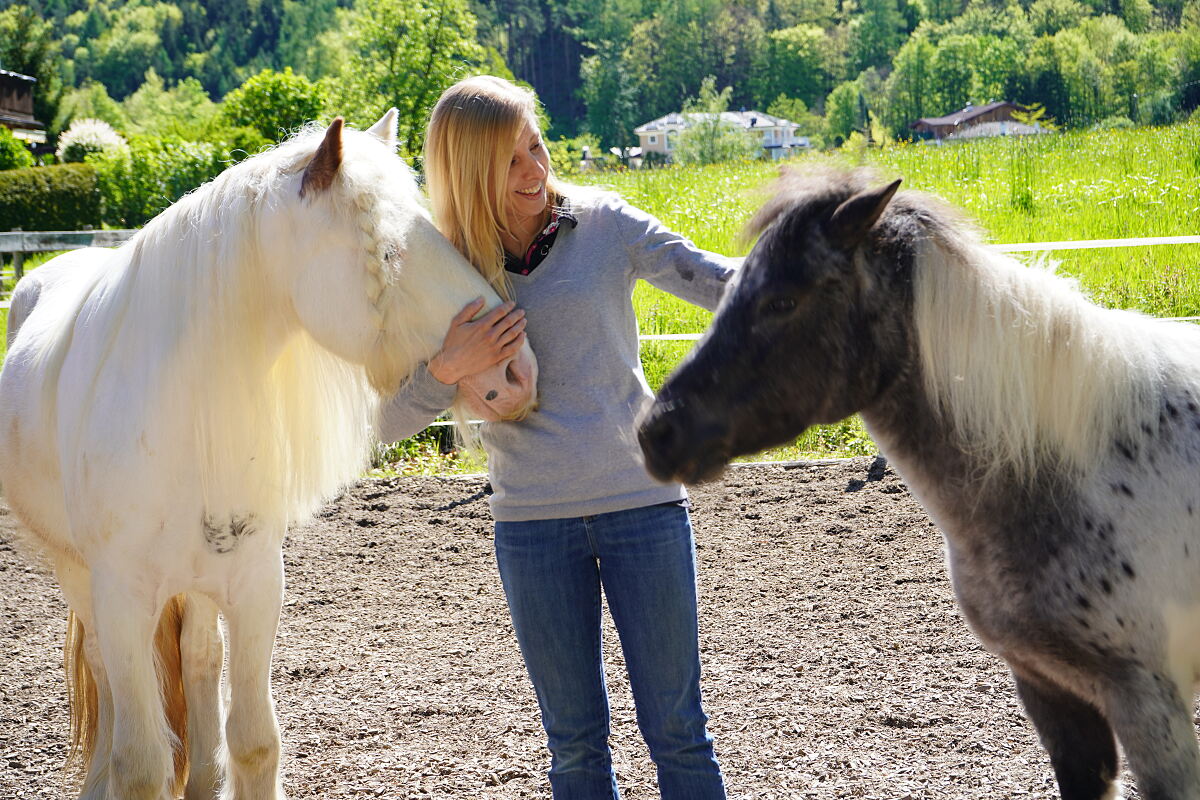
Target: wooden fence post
(18,264)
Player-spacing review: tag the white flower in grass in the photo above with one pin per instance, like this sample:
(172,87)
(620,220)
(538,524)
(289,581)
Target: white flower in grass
(87,136)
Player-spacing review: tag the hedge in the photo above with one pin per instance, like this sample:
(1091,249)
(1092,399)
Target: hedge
(141,180)
(64,197)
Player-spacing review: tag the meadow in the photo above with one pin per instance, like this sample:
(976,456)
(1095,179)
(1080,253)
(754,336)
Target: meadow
(1138,182)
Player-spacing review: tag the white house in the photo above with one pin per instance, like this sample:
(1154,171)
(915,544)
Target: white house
(778,136)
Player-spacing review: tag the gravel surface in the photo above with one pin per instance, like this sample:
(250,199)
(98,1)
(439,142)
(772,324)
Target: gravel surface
(836,664)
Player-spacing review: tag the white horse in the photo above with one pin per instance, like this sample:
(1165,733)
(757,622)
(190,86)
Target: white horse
(169,408)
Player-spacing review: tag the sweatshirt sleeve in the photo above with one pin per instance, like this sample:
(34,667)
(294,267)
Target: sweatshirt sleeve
(671,262)
(419,402)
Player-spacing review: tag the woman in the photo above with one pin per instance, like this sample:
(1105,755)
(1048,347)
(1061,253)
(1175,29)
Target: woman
(574,508)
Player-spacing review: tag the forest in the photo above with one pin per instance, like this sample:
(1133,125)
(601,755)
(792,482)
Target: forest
(603,67)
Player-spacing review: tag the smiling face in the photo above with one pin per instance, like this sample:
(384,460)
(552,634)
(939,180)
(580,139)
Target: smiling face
(526,194)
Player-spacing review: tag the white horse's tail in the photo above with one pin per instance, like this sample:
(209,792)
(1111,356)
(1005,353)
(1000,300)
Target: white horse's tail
(81,694)
(83,698)
(25,297)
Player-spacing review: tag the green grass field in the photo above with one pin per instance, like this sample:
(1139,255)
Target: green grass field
(1086,185)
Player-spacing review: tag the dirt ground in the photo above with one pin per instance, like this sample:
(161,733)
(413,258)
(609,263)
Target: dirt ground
(836,664)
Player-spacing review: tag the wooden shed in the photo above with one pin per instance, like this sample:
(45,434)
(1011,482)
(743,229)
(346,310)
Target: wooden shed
(941,127)
(16,107)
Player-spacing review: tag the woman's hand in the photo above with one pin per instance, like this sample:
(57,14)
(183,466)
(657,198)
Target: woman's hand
(472,347)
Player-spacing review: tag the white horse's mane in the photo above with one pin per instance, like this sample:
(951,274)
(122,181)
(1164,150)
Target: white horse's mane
(273,432)
(1023,365)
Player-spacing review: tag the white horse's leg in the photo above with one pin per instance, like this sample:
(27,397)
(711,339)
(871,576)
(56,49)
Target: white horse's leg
(203,651)
(95,786)
(140,765)
(251,732)
(76,584)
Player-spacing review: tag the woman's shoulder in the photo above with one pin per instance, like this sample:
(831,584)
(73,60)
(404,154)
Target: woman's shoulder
(590,203)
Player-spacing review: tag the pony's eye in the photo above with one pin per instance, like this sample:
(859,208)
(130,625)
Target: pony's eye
(781,304)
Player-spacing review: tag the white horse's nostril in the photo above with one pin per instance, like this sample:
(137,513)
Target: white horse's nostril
(491,395)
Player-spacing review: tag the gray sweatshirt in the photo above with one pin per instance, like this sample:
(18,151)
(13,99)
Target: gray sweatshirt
(578,455)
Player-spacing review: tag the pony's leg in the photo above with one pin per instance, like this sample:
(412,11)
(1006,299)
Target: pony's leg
(251,732)
(1077,737)
(203,652)
(1154,724)
(95,749)
(140,764)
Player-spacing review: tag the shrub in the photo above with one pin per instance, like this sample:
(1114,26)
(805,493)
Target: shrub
(274,103)
(566,154)
(87,136)
(58,198)
(13,152)
(142,179)
(1113,123)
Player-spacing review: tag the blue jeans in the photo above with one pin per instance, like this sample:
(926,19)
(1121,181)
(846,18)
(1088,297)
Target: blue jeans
(645,559)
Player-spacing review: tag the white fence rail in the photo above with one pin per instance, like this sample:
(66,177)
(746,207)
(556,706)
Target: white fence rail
(20,243)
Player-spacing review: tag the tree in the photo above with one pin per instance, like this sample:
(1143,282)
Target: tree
(807,123)
(274,103)
(952,74)
(877,33)
(1048,17)
(90,100)
(28,46)
(794,62)
(182,110)
(709,139)
(403,53)
(843,111)
(610,96)
(136,41)
(908,87)
(301,35)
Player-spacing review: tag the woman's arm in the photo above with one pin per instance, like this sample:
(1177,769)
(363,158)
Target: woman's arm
(672,263)
(471,346)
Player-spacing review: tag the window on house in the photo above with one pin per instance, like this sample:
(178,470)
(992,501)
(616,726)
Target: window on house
(668,142)
(653,140)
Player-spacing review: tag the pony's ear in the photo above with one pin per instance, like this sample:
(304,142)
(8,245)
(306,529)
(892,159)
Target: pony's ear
(318,175)
(853,218)
(385,129)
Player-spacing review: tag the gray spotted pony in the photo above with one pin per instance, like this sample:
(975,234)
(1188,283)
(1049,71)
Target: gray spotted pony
(1054,443)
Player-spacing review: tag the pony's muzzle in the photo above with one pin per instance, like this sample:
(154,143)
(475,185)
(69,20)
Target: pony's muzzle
(680,444)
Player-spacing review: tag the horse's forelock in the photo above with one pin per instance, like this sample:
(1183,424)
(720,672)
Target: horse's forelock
(799,191)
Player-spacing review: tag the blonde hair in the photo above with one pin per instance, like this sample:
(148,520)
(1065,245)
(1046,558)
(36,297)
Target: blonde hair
(468,149)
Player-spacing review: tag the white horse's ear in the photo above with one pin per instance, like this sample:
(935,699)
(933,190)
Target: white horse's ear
(853,218)
(319,174)
(385,129)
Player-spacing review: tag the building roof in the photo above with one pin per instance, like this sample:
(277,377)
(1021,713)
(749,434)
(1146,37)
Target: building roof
(965,115)
(744,119)
(8,74)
